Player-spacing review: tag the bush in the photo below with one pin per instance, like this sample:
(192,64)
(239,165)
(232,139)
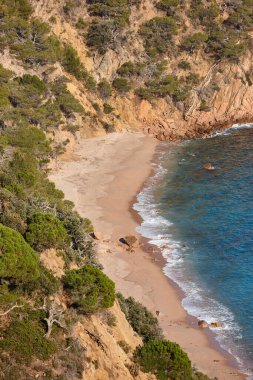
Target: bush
(204,13)
(72,63)
(242,17)
(30,139)
(107,108)
(169,6)
(129,69)
(46,285)
(46,231)
(90,290)
(24,340)
(194,41)
(118,10)
(122,85)
(158,33)
(225,45)
(164,359)
(142,321)
(168,85)
(19,264)
(104,89)
(21,8)
(100,36)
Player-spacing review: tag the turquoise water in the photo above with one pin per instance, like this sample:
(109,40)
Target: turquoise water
(203,222)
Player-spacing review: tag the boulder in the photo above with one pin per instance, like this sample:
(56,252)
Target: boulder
(130,240)
(202,324)
(96,235)
(216,324)
(208,166)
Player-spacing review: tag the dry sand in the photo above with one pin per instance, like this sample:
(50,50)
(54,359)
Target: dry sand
(102,180)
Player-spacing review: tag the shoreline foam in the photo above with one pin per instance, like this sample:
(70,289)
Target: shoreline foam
(102,183)
(193,298)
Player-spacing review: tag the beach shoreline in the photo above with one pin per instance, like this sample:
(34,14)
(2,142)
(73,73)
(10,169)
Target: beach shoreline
(103,179)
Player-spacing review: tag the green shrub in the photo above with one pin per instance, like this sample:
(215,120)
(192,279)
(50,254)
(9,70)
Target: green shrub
(205,13)
(90,290)
(122,85)
(100,36)
(184,65)
(118,10)
(142,321)
(5,75)
(169,6)
(125,346)
(22,8)
(72,63)
(19,264)
(107,108)
(193,79)
(157,34)
(194,41)
(46,231)
(168,85)
(129,69)
(81,24)
(31,139)
(104,89)
(242,17)
(225,45)
(200,376)
(204,106)
(34,81)
(25,340)
(68,6)
(46,285)
(164,359)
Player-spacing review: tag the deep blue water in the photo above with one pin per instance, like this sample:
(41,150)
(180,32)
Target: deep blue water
(203,222)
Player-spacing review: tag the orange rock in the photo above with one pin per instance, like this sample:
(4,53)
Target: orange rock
(208,166)
(216,324)
(202,324)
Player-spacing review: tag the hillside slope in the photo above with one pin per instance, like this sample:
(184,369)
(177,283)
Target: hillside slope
(170,68)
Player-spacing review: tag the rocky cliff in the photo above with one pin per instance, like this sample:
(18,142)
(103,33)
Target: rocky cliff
(215,82)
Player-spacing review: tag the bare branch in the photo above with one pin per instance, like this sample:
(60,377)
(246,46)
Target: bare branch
(55,316)
(16,306)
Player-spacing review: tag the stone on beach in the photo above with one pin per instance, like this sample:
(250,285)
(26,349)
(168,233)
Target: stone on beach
(130,240)
(96,235)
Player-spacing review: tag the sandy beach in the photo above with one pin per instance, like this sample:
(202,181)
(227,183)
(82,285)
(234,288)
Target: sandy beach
(102,179)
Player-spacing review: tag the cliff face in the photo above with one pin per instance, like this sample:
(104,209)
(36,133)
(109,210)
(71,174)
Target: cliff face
(222,94)
(214,89)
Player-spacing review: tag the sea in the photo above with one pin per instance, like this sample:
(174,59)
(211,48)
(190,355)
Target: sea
(202,220)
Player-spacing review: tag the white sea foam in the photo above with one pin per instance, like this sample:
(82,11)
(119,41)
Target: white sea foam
(230,130)
(196,301)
